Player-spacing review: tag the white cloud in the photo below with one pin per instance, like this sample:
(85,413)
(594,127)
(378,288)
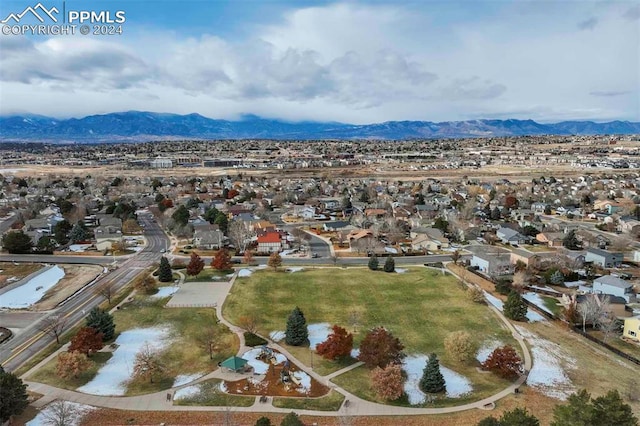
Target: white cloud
(347,62)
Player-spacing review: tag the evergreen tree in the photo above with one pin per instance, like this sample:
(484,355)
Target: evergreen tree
(102,321)
(291,419)
(296,333)
(519,417)
(79,233)
(263,421)
(164,271)
(571,242)
(181,215)
(389,265)
(578,411)
(13,395)
(17,242)
(373,262)
(609,409)
(515,308)
(222,221)
(432,380)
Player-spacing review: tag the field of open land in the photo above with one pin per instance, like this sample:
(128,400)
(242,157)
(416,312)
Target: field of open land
(12,272)
(75,277)
(420,307)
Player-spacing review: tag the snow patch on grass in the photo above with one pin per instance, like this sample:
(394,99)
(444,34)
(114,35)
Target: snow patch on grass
(78,411)
(305,381)
(318,333)
(401,270)
(413,365)
(33,290)
(498,304)
(165,291)
(486,349)
(355,353)
(183,379)
(112,378)
(243,273)
(536,300)
(186,392)
(295,269)
(277,336)
(549,362)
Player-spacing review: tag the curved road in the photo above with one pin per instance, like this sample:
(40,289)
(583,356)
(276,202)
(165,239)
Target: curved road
(31,340)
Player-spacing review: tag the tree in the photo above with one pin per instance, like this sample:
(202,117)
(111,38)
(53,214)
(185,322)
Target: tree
(459,346)
(146,285)
(505,362)
(196,265)
(248,257)
(373,263)
(610,409)
(547,209)
(389,265)
(61,413)
(275,261)
(249,323)
(515,308)
(239,234)
(13,395)
(380,348)
(210,215)
(263,421)
(101,321)
(476,295)
(46,244)
(87,340)
(582,410)
(291,419)
(131,226)
(432,380)
(296,333)
(222,260)
(557,278)
(489,421)
(17,242)
(61,230)
(388,382)
(72,364)
(107,290)
(338,344)
(79,233)
(578,411)
(441,224)
(519,417)
(571,242)
(222,221)
(455,256)
(590,310)
(164,271)
(53,325)
(147,363)
(181,215)
(609,325)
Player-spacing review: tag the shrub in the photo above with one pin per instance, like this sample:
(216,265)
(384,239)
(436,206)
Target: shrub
(476,295)
(460,346)
(251,339)
(505,362)
(387,382)
(338,344)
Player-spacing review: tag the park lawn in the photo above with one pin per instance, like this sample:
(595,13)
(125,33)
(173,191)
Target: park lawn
(208,274)
(47,373)
(330,402)
(188,352)
(320,365)
(211,395)
(420,307)
(358,382)
(617,342)
(553,305)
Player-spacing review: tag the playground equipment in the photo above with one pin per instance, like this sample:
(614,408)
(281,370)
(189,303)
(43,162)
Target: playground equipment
(267,355)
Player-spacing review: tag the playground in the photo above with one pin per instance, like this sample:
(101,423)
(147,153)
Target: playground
(273,375)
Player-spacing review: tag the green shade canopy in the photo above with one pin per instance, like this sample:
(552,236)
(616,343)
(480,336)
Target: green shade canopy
(234,363)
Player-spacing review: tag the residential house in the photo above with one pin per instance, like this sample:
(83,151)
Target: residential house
(360,239)
(631,329)
(206,238)
(305,212)
(338,225)
(552,239)
(629,225)
(107,235)
(614,286)
(270,242)
(492,261)
(510,236)
(431,239)
(603,258)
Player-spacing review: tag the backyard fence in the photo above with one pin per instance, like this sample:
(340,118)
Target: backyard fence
(607,346)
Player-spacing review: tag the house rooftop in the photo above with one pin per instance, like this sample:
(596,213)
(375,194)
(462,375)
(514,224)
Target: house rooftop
(613,281)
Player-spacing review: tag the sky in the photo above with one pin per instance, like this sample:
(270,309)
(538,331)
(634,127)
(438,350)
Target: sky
(353,61)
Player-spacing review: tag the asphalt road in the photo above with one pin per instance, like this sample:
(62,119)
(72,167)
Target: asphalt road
(31,340)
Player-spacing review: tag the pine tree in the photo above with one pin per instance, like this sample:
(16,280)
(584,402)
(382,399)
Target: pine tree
(164,272)
(432,380)
(296,333)
(373,263)
(571,242)
(103,322)
(515,308)
(13,395)
(389,265)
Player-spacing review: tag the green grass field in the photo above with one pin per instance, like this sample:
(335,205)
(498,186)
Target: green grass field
(210,395)
(47,374)
(331,402)
(420,307)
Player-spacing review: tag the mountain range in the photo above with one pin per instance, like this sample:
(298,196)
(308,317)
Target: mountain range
(137,126)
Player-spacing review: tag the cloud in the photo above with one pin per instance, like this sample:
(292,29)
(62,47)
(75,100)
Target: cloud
(610,93)
(632,14)
(588,24)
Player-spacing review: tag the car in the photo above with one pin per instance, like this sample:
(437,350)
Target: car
(163,251)
(314,255)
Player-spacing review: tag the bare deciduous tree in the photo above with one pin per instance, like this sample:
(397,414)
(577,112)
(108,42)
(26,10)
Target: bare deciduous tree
(107,290)
(147,363)
(591,309)
(53,325)
(239,234)
(61,413)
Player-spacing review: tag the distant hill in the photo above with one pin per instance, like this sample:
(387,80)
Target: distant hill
(145,126)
